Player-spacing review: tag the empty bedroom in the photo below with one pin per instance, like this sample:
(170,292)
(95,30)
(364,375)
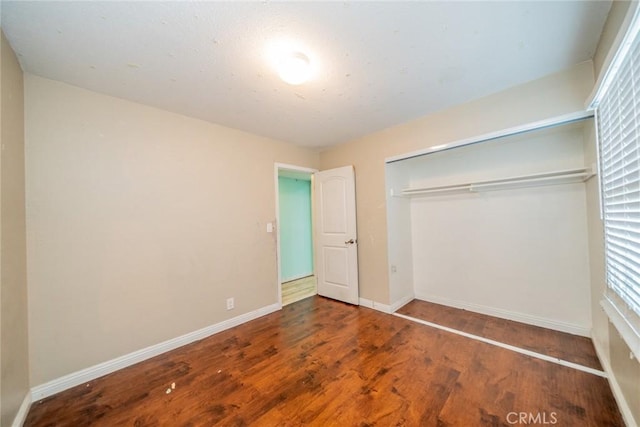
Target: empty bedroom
(356,213)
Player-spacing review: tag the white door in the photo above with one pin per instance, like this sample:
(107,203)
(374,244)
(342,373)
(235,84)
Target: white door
(335,234)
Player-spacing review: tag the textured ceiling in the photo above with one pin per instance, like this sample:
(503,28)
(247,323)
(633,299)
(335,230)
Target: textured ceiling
(377,63)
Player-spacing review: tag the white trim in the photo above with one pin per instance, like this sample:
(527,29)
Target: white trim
(364,302)
(284,166)
(509,315)
(76,378)
(618,395)
(289,167)
(598,173)
(385,308)
(507,346)
(615,55)
(23,411)
(540,124)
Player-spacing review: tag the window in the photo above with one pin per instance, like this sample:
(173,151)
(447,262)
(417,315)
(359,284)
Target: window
(618,118)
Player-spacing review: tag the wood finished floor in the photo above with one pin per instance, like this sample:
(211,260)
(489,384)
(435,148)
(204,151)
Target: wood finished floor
(295,290)
(323,363)
(571,348)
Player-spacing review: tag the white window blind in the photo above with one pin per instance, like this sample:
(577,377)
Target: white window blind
(618,111)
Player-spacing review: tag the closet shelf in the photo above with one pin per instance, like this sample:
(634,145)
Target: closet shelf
(567,176)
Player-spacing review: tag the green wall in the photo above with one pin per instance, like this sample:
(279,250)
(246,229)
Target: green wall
(296,246)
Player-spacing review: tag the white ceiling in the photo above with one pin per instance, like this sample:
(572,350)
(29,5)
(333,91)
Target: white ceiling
(378,63)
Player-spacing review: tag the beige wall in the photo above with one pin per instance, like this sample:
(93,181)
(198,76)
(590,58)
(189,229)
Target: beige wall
(615,20)
(140,224)
(13,319)
(554,95)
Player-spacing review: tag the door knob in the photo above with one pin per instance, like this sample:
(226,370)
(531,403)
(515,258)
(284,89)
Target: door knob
(349,242)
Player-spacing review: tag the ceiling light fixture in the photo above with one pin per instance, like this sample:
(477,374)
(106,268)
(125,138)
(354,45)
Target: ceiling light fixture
(294,68)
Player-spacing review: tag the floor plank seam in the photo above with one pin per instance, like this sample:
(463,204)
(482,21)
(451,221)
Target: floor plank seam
(507,346)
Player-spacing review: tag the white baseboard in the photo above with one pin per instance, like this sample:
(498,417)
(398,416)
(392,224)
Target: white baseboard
(385,308)
(509,315)
(623,405)
(96,371)
(375,305)
(21,416)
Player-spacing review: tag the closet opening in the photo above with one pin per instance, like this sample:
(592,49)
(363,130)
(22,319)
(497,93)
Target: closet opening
(497,225)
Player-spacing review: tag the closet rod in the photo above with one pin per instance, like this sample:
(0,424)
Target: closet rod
(546,178)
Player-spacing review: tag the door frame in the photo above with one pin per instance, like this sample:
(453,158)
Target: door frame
(288,167)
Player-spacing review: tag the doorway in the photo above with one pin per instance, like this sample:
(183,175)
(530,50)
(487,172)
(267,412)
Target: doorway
(294,210)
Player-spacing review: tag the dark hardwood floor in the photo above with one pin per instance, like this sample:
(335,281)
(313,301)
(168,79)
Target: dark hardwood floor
(323,363)
(571,348)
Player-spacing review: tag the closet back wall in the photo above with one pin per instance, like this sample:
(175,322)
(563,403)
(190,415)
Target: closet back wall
(519,253)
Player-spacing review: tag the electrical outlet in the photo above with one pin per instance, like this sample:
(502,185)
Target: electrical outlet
(230,304)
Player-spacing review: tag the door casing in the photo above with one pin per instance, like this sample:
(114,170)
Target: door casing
(277,168)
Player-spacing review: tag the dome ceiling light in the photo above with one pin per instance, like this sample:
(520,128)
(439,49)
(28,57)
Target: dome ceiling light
(294,68)
(291,60)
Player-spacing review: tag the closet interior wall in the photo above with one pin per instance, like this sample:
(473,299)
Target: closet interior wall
(519,252)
